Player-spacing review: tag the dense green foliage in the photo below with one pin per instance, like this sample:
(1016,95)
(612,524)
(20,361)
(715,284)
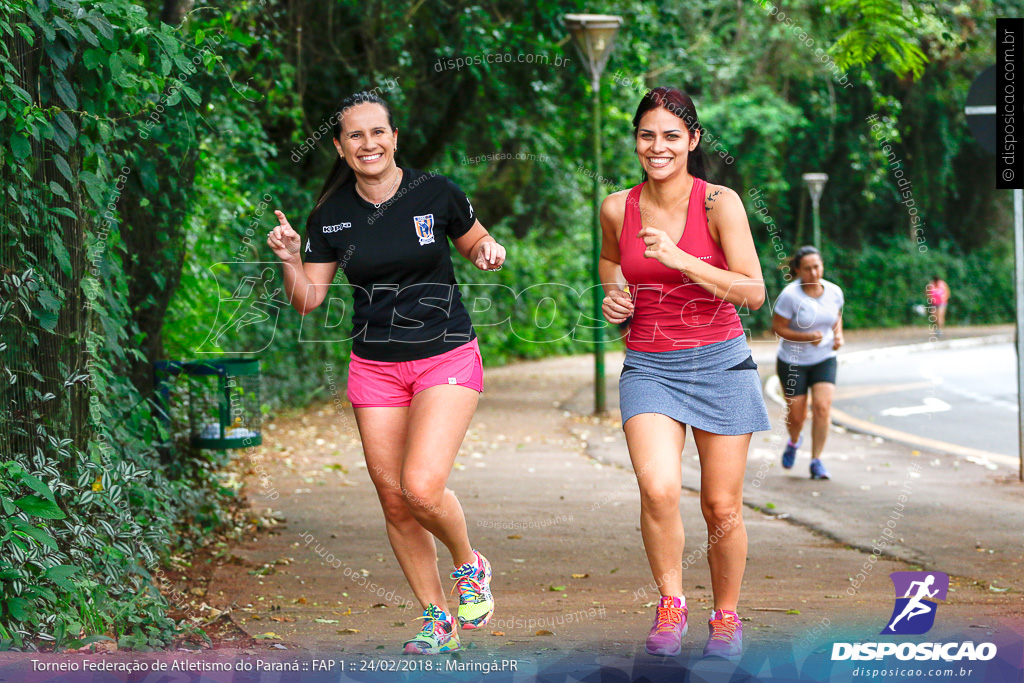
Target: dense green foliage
(146,144)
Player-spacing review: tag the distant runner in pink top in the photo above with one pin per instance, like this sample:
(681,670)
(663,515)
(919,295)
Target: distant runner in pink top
(938,296)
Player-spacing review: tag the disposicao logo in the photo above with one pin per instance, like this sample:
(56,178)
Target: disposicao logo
(914,614)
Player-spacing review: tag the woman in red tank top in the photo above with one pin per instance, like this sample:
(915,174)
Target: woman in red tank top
(683,246)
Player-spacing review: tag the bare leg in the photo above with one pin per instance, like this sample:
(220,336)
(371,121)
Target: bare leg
(821,408)
(438,420)
(796,415)
(723,461)
(383,432)
(656,447)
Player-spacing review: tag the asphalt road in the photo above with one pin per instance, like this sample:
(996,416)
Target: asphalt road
(961,396)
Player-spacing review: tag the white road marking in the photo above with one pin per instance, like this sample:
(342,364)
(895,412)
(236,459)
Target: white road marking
(931,405)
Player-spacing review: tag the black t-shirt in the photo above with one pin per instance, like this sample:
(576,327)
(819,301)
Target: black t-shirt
(407,303)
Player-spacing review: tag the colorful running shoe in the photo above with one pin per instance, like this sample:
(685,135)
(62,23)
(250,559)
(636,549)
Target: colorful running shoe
(725,635)
(789,455)
(476,604)
(666,636)
(437,636)
(818,470)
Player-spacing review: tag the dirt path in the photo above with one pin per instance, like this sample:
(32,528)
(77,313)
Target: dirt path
(559,526)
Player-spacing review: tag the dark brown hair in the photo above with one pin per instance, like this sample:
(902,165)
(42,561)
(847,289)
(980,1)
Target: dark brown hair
(805,250)
(679,104)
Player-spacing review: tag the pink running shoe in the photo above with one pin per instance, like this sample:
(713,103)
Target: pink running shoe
(725,635)
(666,635)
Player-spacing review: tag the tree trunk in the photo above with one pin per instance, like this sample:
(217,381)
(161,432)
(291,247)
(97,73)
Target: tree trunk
(174,11)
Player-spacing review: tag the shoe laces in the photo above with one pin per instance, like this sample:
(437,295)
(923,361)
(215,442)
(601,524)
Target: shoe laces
(470,589)
(668,618)
(724,628)
(432,617)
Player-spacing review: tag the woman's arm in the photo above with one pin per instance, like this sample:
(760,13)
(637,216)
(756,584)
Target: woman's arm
(780,326)
(743,283)
(305,284)
(617,305)
(837,329)
(479,248)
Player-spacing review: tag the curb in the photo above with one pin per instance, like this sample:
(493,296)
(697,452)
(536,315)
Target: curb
(902,350)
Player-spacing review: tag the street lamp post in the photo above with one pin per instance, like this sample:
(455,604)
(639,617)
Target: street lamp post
(594,36)
(816,185)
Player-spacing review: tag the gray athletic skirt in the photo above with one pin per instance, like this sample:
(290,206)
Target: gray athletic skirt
(714,387)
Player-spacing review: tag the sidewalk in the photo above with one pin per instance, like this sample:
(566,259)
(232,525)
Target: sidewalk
(551,500)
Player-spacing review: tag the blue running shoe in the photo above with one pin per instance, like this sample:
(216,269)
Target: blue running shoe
(789,455)
(818,470)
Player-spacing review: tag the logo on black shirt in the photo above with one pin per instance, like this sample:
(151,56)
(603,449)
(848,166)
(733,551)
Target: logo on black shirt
(336,228)
(424,228)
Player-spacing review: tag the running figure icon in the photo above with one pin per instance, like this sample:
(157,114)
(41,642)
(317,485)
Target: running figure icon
(916,596)
(916,606)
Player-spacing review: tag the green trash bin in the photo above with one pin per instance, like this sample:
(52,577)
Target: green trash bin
(223,401)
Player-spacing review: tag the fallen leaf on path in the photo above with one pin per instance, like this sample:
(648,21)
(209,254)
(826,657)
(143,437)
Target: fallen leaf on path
(269,635)
(380,604)
(255,617)
(556,588)
(497,633)
(544,632)
(300,601)
(281,619)
(792,611)
(326,621)
(347,631)
(580,576)
(647,604)
(513,536)
(398,623)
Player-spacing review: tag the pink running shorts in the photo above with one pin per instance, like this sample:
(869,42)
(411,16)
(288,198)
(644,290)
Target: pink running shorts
(374,383)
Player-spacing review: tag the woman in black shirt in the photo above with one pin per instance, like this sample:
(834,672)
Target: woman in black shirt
(415,374)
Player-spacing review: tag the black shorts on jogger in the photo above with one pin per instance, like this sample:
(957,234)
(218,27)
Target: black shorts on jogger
(796,379)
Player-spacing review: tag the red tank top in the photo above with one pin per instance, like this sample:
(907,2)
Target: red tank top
(670,311)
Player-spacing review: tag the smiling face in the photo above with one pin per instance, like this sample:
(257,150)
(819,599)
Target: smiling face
(663,144)
(811,269)
(367,141)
